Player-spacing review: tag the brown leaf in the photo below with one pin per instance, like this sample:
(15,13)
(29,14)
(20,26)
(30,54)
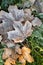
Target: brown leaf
(22,60)
(25,49)
(9,61)
(26,54)
(7,53)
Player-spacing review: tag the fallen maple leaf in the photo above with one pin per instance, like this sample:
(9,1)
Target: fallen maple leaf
(21,32)
(17,14)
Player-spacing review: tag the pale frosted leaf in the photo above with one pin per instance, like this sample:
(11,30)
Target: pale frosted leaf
(12,8)
(36,22)
(27,11)
(28,17)
(6,15)
(20,32)
(15,35)
(5,27)
(41,6)
(17,14)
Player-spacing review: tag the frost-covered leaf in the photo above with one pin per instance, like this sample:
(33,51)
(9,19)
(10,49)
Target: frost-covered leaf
(5,27)
(36,22)
(41,6)
(7,22)
(27,11)
(12,8)
(27,15)
(21,31)
(18,14)
(6,15)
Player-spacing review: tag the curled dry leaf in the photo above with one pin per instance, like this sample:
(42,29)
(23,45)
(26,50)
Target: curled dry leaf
(15,56)
(7,53)
(22,54)
(20,32)
(27,11)
(22,60)
(27,15)
(25,49)
(9,61)
(29,58)
(36,22)
(26,54)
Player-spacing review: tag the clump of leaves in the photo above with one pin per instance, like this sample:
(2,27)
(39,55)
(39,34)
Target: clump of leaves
(18,32)
(22,54)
